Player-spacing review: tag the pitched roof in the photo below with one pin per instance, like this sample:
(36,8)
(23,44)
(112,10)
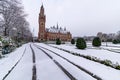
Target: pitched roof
(57,30)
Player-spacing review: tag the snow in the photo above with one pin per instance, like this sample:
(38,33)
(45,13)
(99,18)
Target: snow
(94,67)
(80,75)
(57,30)
(99,53)
(46,68)
(23,71)
(104,44)
(10,60)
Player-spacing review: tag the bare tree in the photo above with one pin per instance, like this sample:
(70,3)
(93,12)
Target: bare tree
(10,11)
(13,16)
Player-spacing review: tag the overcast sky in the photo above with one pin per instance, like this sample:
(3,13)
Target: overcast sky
(80,17)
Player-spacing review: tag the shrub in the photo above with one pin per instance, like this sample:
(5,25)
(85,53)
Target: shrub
(72,41)
(107,62)
(58,41)
(96,42)
(116,41)
(118,67)
(89,57)
(81,44)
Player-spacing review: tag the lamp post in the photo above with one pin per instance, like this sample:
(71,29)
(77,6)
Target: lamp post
(15,35)
(106,43)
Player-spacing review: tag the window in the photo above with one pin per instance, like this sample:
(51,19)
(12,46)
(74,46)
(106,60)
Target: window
(42,23)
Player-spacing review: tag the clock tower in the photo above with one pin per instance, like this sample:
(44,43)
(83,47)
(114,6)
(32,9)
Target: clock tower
(41,21)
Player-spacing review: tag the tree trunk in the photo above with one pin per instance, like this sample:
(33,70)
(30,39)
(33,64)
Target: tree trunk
(5,32)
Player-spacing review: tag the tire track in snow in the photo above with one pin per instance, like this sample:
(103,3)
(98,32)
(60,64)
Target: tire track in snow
(34,76)
(58,64)
(81,68)
(14,66)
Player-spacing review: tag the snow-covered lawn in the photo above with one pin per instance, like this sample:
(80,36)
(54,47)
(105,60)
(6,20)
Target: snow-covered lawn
(99,53)
(105,72)
(109,46)
(104,44)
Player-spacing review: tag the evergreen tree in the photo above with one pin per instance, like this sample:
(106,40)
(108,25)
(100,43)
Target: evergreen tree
(72,41)
(116,41)
(96,42)
(81,44)
(58,41)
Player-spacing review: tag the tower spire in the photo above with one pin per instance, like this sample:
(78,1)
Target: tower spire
(57,25)
(42,2)
(42,10)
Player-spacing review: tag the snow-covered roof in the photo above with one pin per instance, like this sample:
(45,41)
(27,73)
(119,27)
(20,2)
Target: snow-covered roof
(57,30)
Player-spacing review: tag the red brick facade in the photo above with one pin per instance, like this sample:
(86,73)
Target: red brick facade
(53,33)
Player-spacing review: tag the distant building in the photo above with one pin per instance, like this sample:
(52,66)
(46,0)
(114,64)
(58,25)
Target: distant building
(51,34)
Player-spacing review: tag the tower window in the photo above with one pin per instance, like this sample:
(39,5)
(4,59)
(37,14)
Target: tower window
(42,23)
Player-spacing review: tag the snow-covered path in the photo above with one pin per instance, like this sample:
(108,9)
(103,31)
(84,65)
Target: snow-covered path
(105,72)
(46,68)
(77,73)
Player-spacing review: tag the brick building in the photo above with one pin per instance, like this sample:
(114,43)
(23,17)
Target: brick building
(52,33)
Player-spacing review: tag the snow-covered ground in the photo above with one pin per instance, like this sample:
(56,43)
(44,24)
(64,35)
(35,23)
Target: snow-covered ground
(46,69)
(23,71)
(10,60)
(99,53)
(105,72)
(48,64)
(108,45)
